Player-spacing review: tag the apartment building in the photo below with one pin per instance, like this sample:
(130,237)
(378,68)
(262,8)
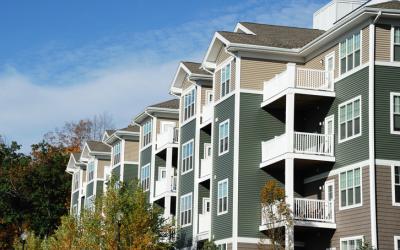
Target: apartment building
(78,187)
(158,154)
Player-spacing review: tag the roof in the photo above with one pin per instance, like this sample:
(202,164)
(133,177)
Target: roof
(170,104)
(110,131)
(273,35)
(77,155)
(97,146)
(194,68)
(131,128)
(387,5)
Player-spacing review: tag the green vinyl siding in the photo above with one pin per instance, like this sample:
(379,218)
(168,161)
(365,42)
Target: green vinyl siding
(204,138)
(89,189)
(204,192)
(256,125)
(130,172)
(116,172)
(145,158)
(356,149)
(387,79)
(75,197)
(223,168)
(186,182)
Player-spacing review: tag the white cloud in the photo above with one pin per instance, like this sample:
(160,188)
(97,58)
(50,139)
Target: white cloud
(120,75)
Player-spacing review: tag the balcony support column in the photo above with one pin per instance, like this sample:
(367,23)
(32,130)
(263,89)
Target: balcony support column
(289,192)
(289,121)
(169,175)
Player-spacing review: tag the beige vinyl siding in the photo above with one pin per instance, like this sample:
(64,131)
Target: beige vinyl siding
(318,61)
(387,215)
(131,150)
(100,168)
(254,72)
(203,95)
(365,45)
(222,56)
(217,83)
(186,83)
(382,47)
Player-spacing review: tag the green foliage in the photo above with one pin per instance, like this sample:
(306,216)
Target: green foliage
(209,245)
(366,246)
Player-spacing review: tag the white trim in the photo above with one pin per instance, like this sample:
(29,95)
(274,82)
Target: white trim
(241,27)
(351,72)
(191,209)
(353,52)
(392,43)
(252,240)
(131,162)
(396,242)
(227,121)
(392,183)
(221,96)
(352,100)
(226,180)
(331,54)
(389,64)
(382,162)
(149,177)
(224,63)
(193,154)
(358,237)
(251,91)
(392,95)
(326,120)
(361,190)
(224,98)
(187,121)
(326,191)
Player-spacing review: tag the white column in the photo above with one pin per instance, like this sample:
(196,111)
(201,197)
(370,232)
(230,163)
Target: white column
(289,192)
(290,121)
(169,174)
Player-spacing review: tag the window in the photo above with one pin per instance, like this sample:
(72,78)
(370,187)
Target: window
(396,242)
(222,196)
(396,185)
(187,156)
(350,119)
(223,146)
(209,97)
(396,44)
(351,243)
(225,80)
(186,210)
(350,188)
(223,246)
(145,177)
(147,128)
(76,181)
(117,153)
(395,113)
(189,104)
(350,53)
(90,171)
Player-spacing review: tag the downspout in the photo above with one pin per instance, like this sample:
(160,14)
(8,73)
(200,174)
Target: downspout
(371,121)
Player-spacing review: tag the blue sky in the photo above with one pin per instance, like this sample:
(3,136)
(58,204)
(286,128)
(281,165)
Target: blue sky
(67,60)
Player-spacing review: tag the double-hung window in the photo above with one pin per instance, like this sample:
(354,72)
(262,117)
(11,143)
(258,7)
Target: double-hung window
(396,185)
(90,171)
(395,113)
(186,210)
(145,177)
(117,153)
(396,44)
(225,79)
(147,130)
(223,140)
(76,181)
(351,243)
(350,53)
(350,119)
(223,196)
(187,156)
(189,101)
(350,188)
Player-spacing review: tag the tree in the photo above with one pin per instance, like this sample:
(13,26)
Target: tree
(276,214)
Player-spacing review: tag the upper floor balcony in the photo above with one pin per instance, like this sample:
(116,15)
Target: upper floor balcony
(207,113)
(306,213)
(300,81)
(204,223)
(205,168)
(311,146)
(165,186)
(168,136)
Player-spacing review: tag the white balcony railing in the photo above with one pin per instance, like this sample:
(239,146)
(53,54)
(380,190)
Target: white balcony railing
(295,77)
(163,187)
(207,113)
(303,143)
(168,136)
(204,222)
(305,210)
(205,167)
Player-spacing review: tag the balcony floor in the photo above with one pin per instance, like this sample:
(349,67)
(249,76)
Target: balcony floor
(303,224)
(309,157)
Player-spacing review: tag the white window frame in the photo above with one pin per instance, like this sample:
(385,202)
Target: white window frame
(392,113)
(76,181)
(396,242)
(147,133)
(188,210)
(393,184)
(116,150)
(209,93)
(340,190)
(222,246)
(160,171)
(223,80)
(90,164)
(354,68)
(223,138)
(187,161)
(189,104)
(145,180)
(205,201)
(221,196)
(393,43)
(339,117)
(359,237)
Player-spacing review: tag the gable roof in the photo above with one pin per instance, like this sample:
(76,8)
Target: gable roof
(131,128)
(170,104)
(194,68)
(96,146)
(166,109)
(189,71)
(395,5)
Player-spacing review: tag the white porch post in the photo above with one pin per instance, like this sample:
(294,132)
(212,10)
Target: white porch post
(169,175)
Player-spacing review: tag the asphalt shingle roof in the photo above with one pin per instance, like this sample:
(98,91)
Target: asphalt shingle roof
(98,146)
(170,104)
(273,35)
(387,5)
(77,155)
(195,68)
(131,128)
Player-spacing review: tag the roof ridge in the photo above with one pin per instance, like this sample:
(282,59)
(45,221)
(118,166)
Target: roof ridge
(282,26)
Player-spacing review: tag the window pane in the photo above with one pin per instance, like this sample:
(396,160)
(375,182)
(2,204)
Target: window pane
(350,62)
(349,111)
(357,126)
(343,198)
(343,65)
(396,104)
(343,131)
(349,128)
(397,35)
(356,108)
(342,49)
(350,178)
(342,181)
(350,199)
(342,114)
(357,195)
(396,52)
(397,193)
(349,45)
(357,41)
(357,177)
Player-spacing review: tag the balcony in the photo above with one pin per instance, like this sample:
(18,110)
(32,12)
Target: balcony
(169,136)
(309,146)
(205,168)
(204,223)
(163,187)
(207,113)
(298,80)
(306,213)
